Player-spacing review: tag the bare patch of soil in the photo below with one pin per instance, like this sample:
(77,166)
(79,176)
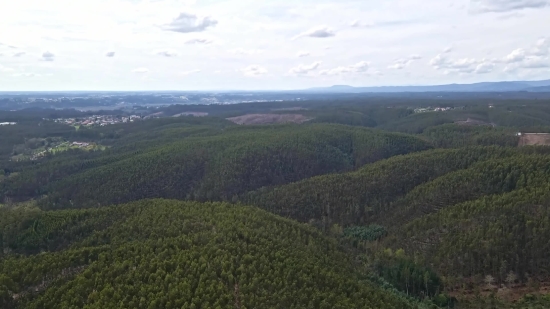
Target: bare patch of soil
(509,294)
(195,114)
(474,122)
(289,109)
(534,139)
(268,119)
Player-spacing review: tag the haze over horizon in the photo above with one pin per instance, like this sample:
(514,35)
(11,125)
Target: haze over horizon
(247,45)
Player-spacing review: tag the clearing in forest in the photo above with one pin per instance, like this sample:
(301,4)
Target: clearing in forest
(268,118)
(474,122)
(527,139)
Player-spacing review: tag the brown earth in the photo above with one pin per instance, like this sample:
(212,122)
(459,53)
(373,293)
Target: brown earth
(289,109)
(195,114)
(534,139)
(268,119)
(509,294)
(474,122)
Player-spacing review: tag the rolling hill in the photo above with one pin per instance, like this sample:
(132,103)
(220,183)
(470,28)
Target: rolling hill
(368,205)
(476,87)
(173,254)
(466,212)
(218,167)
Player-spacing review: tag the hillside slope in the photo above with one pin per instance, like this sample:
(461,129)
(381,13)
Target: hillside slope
(365,195)
(172,254)
(217,167)
(501,236)
(468,213)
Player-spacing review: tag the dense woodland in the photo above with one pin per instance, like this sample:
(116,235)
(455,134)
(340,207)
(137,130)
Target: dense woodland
(169,254)
(370,204)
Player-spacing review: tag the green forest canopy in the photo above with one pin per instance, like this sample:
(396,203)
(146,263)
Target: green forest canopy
(398,208)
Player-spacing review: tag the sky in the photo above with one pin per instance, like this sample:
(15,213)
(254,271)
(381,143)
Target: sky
(268,44)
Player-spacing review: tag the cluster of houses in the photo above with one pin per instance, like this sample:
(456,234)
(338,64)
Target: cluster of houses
(432,109)
(98,120)
(7,123)
(80,144)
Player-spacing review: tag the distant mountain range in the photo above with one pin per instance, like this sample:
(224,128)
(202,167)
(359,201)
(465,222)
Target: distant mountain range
(528,86)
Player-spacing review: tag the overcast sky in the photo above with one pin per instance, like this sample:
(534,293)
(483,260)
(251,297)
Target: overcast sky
(269,44)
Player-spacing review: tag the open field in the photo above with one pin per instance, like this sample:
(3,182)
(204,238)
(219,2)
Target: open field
(527,139)
(34,154)
(474,122)
(268,119)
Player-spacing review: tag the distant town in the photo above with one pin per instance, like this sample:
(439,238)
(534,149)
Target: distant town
(98,120)
(432,109)
(88,101)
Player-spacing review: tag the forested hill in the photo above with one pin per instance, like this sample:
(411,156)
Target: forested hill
(364,195)
(471,213)
(385,203)
(171,254)
(218,167)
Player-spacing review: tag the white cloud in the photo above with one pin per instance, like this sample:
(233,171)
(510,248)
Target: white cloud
(447,50)
(536,62)
(319,32)
(402,63)
(110,54)
(254,71)
(510,69)
(187,22)
(397,66)
(542,47)
(530,62)
(464,65)
(517,61)
(199,41)
(486,6)
(48,56)
(305,69)
(535,57)
(185,73)
(438,61)
(140,71)
(19,54)
(360,67)
(166,53)
(516,56)
(302,54)
(484,68)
